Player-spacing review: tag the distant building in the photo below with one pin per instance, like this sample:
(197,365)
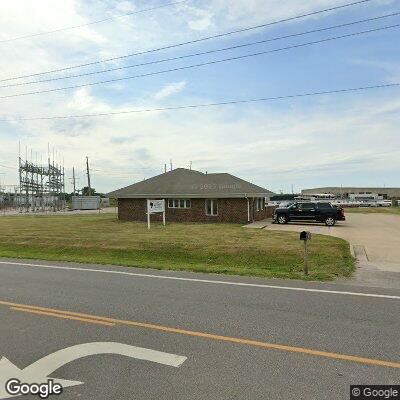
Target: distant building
(85,202)
(192,196)
(356,192)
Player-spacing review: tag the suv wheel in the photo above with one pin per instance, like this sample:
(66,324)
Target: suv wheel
(330,221)
(282,219)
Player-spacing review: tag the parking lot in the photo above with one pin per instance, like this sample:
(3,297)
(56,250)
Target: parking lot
(375,238)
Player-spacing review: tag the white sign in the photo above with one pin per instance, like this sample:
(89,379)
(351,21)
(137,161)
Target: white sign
(154,206)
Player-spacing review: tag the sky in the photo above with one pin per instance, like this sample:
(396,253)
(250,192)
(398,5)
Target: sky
(349,139)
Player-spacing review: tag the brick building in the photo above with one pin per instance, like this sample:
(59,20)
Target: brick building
(192,196)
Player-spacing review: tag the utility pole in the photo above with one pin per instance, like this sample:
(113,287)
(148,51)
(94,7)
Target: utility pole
(88,175)
(63,186)
(190,165)
(170,164)
(73,179)
(20,177)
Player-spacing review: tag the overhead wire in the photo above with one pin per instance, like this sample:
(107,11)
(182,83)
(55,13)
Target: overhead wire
(215,104)
(201,53)
(199,64)
(190,41)
(93,22)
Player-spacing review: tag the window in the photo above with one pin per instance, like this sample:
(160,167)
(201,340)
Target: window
(307,206)
(211,207)
(324,205)
(179,203)
(260,203)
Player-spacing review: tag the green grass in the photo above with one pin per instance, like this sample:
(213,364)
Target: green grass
(214,248)
(374,210)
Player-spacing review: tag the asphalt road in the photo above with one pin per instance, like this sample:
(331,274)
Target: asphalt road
(229,332)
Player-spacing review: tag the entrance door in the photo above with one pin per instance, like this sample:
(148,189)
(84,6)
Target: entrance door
(307,211)
(294,211)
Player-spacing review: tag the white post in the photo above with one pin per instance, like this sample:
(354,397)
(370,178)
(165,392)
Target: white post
(148,220)
(164,217)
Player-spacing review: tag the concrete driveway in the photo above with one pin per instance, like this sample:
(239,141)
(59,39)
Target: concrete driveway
(375,238)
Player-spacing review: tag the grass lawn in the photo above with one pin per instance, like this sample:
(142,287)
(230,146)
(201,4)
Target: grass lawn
(374,210)
(215,248)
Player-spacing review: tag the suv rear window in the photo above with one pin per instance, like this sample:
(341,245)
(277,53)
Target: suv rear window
(306,206)
(324,205)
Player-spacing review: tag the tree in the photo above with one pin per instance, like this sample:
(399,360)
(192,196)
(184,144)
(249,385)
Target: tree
(86,192)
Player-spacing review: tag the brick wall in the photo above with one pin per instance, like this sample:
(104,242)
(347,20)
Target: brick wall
(269,211)
(132,209)
(229,210)
(266,212)
(254,214)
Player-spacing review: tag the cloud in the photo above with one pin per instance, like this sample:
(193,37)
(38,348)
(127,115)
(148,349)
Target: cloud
(81,100)
(142,154)
(271,144)
(263,144)
(72,127)
(390,68)
(200,24)
(126,6)
(121,139)
(170,89)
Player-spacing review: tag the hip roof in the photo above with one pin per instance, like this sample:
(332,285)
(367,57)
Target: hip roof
(182,182)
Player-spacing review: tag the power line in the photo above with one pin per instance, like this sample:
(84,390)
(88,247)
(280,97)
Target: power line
(202,53)
(92,22)
(190,41)
(222,103)
(200,64)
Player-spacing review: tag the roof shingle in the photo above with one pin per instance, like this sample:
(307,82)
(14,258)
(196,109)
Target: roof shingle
(182,182)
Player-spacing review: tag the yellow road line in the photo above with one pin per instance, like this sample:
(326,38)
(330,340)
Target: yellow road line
(92,321)
(249,342)
(55,311)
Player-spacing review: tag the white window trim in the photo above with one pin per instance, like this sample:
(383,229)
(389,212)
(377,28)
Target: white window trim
(260,204)
(213,202)
(179,204)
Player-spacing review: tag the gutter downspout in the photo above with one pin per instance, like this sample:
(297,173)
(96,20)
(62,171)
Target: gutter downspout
(248,209)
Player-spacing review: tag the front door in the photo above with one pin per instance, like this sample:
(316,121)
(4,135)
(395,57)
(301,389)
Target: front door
(294,212)
(307,211)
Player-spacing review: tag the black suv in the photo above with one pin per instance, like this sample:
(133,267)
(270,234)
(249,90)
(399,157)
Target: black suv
(319,212)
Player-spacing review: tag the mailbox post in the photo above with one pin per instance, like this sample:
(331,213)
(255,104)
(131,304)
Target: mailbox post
(305,237)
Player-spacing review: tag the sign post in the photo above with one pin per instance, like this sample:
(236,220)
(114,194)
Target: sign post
(305,236)
(155,206)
